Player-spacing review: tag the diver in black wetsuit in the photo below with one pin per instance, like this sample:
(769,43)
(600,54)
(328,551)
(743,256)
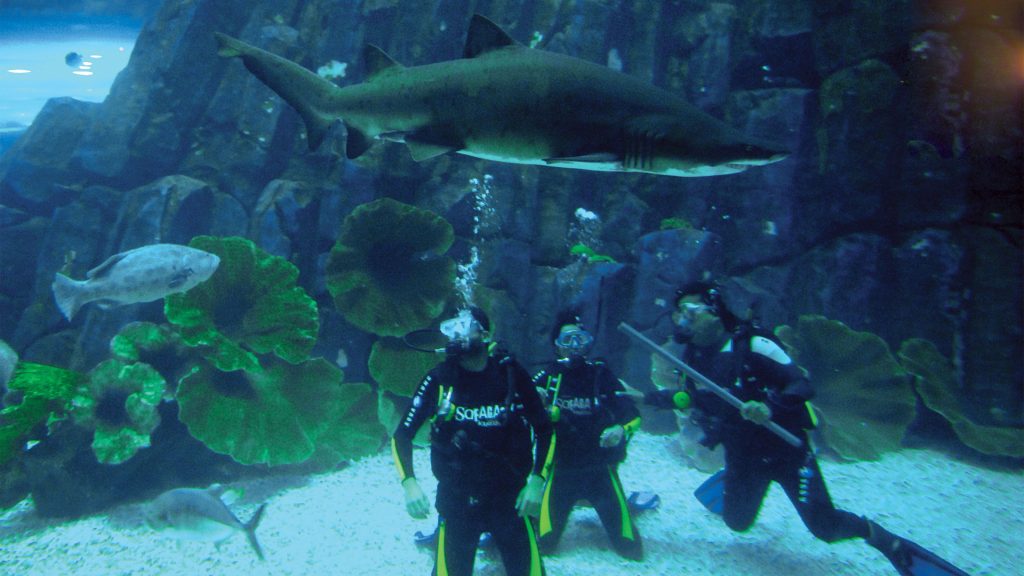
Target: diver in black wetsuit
(592,427)
(758,372)
(489,469)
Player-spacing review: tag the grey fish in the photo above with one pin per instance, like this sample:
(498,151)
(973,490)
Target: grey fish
(506,102)
(8,360)
(140,275)
(197,514)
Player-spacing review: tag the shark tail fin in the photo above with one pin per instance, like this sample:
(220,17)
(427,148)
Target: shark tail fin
(68,295)
(298,86)
(227,47)
(250,531)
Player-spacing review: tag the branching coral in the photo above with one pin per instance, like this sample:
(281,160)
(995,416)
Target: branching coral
(119,403)
(250,306)
(935,381)
(388,272)
(862,393)
(276,415)
(398,368)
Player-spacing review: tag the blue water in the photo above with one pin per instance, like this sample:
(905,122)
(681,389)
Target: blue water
(33,68)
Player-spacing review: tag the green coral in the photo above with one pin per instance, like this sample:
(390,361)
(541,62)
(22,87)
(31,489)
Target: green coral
(675,223)
(590,254)
(119,403)
(156,345)
(935,381)
(354,430)
(861,392)
(251,305)
(46,393)
(398,368)
(280,414)
(388,273)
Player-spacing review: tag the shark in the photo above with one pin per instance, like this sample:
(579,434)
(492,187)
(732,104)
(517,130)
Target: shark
(506,102)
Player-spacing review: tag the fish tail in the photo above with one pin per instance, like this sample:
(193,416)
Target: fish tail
(250,531)
(298,86)
(68,295)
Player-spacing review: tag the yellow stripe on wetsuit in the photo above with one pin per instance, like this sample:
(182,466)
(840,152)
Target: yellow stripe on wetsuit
(402,474)
(442,561)
(627,522)
(545,506)
(536,569)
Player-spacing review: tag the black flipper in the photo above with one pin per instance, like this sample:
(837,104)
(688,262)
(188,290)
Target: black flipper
(908,557)
(916,560)
(712,492)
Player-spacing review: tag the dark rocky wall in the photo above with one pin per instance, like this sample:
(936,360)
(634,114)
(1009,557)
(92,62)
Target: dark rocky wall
(899,211)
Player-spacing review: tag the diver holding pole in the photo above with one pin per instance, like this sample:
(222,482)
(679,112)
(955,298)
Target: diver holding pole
(722,393)
(770,391)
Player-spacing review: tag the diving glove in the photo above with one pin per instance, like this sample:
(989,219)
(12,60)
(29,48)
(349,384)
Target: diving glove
(757,412)
(528,501)
(612,436)
(416,502)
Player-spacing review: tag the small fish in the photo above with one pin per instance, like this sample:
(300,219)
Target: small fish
(197,514)
(74,59)
(140,275)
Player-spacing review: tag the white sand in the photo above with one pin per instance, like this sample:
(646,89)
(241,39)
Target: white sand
(353,522)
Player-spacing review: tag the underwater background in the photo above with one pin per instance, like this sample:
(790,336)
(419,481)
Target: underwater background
(887,247)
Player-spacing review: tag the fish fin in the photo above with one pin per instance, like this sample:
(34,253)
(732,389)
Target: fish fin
(226,494)
(106,266)
(250,531)
(179,279)
(66,293)
(356,142)
(378,61)
(485,36)
(426,150)
(227,47)
(596,157)
(396,136)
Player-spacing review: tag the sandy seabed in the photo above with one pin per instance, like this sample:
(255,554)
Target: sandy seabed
(353,522)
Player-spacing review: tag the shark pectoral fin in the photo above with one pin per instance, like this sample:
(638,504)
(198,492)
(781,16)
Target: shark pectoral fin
(377,60)
(426,150)
(595,158)
(484,36)
(356,143)
(398,137)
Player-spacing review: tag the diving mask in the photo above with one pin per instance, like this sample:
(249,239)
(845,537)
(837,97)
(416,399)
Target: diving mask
(464,333)
(575,342)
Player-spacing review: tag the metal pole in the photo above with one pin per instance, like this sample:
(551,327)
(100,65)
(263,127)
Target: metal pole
(707,383)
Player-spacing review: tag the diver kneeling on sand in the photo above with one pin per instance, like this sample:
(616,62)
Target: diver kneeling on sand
(771,394)
(593,423)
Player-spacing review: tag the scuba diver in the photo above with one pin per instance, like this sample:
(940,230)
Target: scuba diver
(772,388)
(489,468)
(593,423)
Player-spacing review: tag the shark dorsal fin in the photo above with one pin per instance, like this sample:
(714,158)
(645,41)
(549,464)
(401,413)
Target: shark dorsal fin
(484,36)
(377,61)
